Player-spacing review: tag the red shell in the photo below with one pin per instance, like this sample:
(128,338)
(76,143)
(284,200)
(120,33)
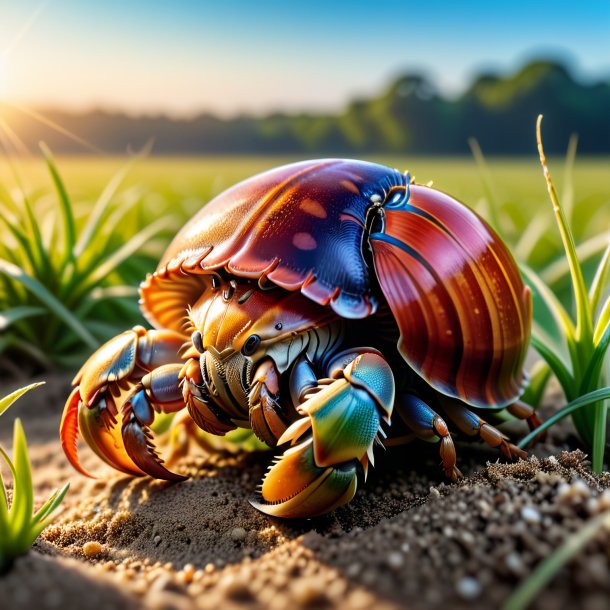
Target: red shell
(457,295)
(453,287)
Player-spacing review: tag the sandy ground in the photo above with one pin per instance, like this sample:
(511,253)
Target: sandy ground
(408,540)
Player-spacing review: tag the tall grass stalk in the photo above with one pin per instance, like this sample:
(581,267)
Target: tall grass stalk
(576,351)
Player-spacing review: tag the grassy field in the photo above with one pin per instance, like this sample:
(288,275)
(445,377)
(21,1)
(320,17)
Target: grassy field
(510,193)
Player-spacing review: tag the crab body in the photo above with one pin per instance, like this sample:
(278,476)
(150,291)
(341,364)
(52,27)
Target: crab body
(327,304)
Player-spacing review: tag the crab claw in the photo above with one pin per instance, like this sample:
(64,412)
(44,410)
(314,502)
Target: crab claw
(295,487)
(142,363)
(98,426)
(342,421)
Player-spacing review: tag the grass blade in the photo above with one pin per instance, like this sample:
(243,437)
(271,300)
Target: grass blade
(599,437)
(51,505)
(544,572)
(539,377)
(23,494)
(568,180)
(65,205)
(22,240)
(122,254)
(488,186)
(104,200)
(602,322)
(575,405)
(530,237)
(584,324)
(600,281)
(592,374)
(42,294)
(557,366)
(9,316)
(560,316)
(6,531)
(558,269)
(7,401)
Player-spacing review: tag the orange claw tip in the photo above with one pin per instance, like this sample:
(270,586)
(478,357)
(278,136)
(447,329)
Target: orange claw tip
(141,450)
(68,432)
(296,488)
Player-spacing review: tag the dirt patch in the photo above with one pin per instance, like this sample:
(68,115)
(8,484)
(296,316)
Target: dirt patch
(408,539)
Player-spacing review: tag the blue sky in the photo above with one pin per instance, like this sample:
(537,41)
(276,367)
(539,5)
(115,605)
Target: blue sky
(236,56)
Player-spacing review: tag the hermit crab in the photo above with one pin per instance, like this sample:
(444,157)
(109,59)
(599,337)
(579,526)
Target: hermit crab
(330,306)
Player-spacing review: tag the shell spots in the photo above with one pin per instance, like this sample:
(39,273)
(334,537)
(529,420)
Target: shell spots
(313,207)
(350,186)
(304,241)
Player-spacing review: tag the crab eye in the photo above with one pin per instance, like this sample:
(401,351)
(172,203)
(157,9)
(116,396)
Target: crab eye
(397,197)
(250,345)
(197,340)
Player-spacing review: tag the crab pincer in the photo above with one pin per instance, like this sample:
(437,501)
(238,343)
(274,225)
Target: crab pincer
(332,442)
(115,397)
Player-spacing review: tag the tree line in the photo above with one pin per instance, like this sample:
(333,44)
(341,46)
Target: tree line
(410,116)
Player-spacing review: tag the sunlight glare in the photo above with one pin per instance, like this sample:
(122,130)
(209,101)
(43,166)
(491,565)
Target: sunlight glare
(3,78)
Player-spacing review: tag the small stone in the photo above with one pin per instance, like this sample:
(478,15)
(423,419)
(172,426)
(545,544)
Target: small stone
(468,587)
(530,515)
(92,549)
(395,560)
(308,594)
(188,571)
(235,588)
(515,564)
(238,534)
(157,540)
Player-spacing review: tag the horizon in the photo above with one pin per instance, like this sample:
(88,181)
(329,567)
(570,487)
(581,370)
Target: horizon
(301,63)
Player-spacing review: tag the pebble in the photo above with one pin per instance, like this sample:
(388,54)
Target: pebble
(235,588)
(308,593)
(92,549)
(530,515)
(468,587)
(157,540)
(238,534)
(395,560)
(188,571)
(515,564)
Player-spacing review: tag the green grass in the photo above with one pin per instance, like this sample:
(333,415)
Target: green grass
(68,271)
(575,352)
(19,524)
(507,191)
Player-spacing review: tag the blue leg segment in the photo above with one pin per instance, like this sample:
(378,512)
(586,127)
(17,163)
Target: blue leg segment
(428,425)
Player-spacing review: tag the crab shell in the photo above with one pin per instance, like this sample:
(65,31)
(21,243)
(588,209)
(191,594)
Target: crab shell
(349,234)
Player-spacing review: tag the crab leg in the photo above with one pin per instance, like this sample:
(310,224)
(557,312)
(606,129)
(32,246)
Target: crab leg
(119,365)
(427,425)
(268,417)
(473,425)
(158,390)
(342,420)
(521,410)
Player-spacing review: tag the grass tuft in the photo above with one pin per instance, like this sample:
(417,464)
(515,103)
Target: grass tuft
(576,351)
(20,525)
(65,270)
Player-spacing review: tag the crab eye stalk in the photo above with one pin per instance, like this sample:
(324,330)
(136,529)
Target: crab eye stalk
(250,345)
(197,340)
